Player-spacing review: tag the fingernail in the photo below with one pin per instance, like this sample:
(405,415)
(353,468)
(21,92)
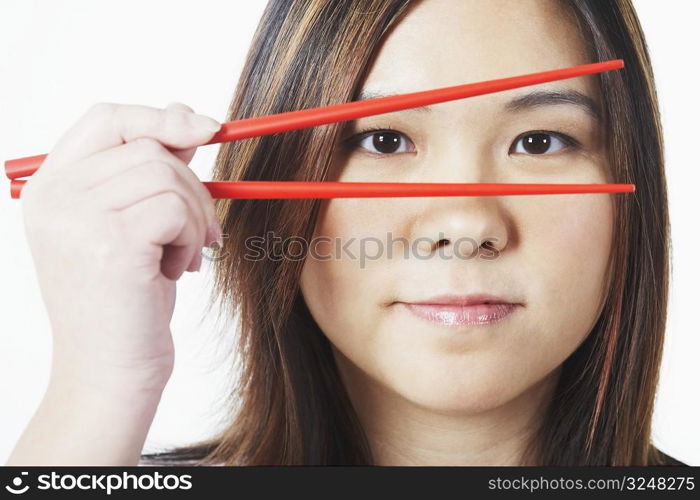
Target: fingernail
(215,233)
(201,121)
(196,263)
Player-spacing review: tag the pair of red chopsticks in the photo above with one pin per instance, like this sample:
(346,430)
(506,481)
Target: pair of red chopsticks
(282,122)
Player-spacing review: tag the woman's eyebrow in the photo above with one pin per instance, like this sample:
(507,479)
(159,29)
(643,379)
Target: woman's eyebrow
(367,94)
(534,99)
(540,98)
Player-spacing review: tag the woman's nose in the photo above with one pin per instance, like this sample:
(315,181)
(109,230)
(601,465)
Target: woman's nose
(461,226)
(462,223)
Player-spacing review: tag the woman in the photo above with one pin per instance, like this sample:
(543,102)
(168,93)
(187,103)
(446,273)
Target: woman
(542,348)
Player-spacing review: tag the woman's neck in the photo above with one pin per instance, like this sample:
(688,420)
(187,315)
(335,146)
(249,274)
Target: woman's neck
(403,433)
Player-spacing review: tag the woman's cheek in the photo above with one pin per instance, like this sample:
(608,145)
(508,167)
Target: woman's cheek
(343,283)
(566,249)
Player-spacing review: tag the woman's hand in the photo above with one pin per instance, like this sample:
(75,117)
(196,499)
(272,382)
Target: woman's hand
(114,217)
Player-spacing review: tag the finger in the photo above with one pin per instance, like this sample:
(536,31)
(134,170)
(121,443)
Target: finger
(179,106)
(108,125)
(147,180)
(164,220)
(185,155)
(103,166)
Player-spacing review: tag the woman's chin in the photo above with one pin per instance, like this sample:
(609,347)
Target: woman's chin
(447,397)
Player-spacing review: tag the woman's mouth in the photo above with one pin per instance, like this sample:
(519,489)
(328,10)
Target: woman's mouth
(452,310)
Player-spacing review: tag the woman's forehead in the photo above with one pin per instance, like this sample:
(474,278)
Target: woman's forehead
(441,43)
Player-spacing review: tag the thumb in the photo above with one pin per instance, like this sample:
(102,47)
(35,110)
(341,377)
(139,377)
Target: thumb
(185,155)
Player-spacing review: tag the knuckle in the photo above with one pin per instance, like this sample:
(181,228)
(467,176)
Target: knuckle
(165,173)
(174,205)
(181,106)
(151,148)
(177,120)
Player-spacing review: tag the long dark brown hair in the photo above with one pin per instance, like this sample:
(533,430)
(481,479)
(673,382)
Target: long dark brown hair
(289,406)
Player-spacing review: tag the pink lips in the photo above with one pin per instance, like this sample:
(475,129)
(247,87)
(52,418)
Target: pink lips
(452,310)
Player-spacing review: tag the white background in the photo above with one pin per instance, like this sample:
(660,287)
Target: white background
(57,58)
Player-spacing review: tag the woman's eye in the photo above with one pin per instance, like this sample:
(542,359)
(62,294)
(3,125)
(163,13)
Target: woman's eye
(387,142)
(382,142)
(539,143)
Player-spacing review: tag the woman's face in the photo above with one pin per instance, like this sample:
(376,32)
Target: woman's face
(545,257)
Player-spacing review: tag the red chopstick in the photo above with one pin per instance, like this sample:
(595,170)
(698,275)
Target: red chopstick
(281,122)
(324,190)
